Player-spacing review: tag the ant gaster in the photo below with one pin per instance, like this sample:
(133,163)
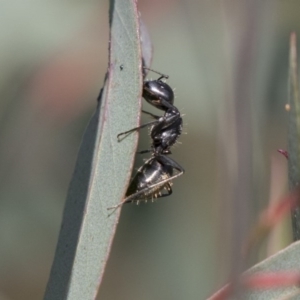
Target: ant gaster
(157,172)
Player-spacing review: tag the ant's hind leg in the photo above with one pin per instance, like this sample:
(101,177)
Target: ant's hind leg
(134,196)
(165,160)
(128,199)
(144,151)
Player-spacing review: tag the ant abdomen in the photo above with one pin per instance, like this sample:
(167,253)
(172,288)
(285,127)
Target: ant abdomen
(150,179)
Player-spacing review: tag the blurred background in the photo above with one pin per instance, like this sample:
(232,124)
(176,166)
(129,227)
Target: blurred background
(224,58)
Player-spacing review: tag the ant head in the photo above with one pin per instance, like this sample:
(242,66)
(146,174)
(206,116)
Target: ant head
(158,94)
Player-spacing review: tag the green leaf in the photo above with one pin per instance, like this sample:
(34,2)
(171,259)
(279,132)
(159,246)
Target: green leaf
(103,168)
(294,131)
(285,260)
(292,296)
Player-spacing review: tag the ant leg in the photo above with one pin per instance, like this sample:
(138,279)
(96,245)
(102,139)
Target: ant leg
(162,182)
(136,128)
(144,151)
(158,195)
(166,160)
(161,74)
(141,192)
(169,105)
(130,198)
(150,114)
(127,199)
(164,121)
(169,191)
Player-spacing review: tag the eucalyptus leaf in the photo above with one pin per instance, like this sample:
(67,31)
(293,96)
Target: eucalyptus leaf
(291,296)
(294,131)
(285,260)
(103,168)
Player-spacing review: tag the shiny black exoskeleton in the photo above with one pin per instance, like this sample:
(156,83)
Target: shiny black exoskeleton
(155,176)
(165,129)
(152,179)
(165,132)
(158,93)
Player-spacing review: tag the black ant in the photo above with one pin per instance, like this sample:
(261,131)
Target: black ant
(166,129)
(158,171)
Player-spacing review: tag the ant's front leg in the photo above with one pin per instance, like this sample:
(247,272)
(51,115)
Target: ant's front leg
(144,151)
(161,74)
(167,161)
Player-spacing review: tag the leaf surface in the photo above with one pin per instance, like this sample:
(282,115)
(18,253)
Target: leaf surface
(286,260)
(103,168)
(294,132)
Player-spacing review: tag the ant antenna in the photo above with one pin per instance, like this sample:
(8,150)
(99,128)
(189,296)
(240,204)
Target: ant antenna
(161,74)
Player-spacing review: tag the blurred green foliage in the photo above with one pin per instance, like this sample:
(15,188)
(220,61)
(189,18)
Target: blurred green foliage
(53,60)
